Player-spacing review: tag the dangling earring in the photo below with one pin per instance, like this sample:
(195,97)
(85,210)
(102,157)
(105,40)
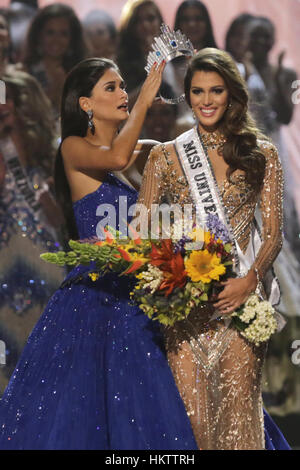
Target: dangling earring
(230,105)
(194,115)
(90,122)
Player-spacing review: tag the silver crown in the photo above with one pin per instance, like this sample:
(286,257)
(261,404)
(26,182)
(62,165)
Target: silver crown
(168,46)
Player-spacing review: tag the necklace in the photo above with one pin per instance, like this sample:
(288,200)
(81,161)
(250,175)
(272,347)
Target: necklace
(212,140)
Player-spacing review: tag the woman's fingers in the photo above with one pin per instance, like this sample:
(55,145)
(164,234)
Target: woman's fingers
(222,303)
(228,310)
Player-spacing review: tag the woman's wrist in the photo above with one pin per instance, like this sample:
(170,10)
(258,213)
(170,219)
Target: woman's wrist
(252,279)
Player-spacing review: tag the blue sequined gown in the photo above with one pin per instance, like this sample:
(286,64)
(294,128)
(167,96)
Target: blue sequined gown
(94,374)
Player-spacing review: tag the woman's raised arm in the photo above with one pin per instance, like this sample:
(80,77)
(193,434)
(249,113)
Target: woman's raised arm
(116,157)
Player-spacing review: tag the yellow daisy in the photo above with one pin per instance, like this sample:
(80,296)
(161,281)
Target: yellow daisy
(204,266)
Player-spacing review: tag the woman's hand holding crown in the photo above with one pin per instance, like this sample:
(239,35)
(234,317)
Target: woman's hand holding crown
(151,85)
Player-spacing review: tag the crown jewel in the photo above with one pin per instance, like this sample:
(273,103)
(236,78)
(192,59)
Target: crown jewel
(168,46)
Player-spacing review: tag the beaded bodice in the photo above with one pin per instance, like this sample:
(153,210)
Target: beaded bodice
(217,372)
(164,179)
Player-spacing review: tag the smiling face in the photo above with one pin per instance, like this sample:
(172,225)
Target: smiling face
(55,38)
(209,99)
(109,100)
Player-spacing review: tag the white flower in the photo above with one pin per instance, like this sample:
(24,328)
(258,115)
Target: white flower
(260,317)
(248,314)
(252,301)
(154,276)
(195,292)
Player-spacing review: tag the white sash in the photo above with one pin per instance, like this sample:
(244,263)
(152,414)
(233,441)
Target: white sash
(13,165)
(207,199)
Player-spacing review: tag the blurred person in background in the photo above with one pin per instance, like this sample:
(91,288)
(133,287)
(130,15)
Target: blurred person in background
(140,22)
(6,54)
(20,15)
(160,122)
(101,33)
(55,43)
(30,219)
(237,42)
(277,110)
(159,126)
(280,383)
(193,20)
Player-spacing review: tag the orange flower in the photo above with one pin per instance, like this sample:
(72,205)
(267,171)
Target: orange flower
(171,264)
(109,238)
(135,236)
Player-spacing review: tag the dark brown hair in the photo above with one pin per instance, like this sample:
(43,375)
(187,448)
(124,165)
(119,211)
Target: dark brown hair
(78,48)
(241,151)
(74,121)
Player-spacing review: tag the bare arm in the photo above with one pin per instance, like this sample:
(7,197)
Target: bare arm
(237,290)
(140,154)
(75,149)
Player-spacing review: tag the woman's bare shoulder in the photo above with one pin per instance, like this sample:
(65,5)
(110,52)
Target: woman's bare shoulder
(72,144)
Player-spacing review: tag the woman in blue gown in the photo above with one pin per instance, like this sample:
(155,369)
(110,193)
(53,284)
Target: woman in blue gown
(94,373)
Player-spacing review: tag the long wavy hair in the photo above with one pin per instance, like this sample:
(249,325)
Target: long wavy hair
(78,48)
(74,121)
(209,40)
(241,151)
(131,58)
(34,115)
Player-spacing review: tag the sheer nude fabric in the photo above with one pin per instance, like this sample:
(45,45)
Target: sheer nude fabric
(217,372)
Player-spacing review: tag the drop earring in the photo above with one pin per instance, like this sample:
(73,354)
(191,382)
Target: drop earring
(194,115)
(90,122)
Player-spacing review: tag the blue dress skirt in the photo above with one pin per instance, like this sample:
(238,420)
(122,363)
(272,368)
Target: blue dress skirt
(94,373)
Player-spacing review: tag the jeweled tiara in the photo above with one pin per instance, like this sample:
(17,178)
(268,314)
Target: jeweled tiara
(168,46)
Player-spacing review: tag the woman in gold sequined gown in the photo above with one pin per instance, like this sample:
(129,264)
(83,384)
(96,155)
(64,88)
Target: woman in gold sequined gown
(217,371)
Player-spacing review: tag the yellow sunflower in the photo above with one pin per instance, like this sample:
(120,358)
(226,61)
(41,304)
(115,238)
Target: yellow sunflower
(204,266)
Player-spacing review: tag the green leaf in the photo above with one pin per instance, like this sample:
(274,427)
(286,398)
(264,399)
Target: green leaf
(227,247)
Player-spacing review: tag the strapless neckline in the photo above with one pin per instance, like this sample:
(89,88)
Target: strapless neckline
(105,182)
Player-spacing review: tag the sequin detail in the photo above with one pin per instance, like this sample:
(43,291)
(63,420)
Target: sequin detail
(218,373)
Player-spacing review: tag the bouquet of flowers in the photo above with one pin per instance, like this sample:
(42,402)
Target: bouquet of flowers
(173,275)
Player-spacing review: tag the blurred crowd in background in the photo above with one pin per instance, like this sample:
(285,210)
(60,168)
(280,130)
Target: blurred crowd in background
(38,47)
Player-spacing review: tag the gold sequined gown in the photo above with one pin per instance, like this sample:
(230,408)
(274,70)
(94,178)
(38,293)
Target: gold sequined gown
(218,372)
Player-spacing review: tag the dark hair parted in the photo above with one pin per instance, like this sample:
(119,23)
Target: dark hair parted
(209,40)
(131,58)
(74,121)
(241,151)
(78,48)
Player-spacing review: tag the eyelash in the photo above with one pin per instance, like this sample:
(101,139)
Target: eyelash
(112,87)
(218,91)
